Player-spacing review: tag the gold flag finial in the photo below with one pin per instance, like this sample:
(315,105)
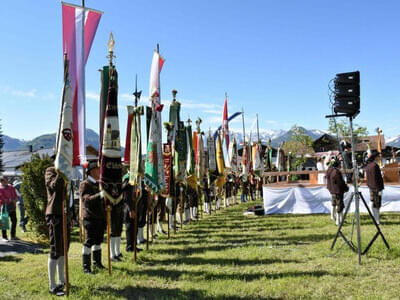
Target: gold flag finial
(111,44)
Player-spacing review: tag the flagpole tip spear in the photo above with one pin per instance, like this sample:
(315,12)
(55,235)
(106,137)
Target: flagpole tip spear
(111,45)
(137,93)
(174,92)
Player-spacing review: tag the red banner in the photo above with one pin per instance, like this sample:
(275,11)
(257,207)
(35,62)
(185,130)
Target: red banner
(167,168)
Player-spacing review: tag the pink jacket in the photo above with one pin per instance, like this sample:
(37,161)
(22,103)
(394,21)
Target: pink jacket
(7,194)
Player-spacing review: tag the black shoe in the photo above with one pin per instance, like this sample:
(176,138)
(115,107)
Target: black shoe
(138,249)
(115,259)
(142,242)
(57,291)
(97,260)
(86,264)
(120,255)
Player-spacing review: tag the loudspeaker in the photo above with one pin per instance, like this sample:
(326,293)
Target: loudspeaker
(347,93)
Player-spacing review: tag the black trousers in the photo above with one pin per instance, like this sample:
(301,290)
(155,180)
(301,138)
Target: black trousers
(94,231)
(130,229)
(142,212)
(13,218)
(116,219)
(55,225)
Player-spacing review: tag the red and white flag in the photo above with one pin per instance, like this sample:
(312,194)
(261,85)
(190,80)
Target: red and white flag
(225,128)
(79,28)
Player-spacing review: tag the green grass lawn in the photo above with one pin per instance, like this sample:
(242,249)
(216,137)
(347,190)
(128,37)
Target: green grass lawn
(230,256)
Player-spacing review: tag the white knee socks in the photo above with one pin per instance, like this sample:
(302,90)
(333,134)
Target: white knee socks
(117,245)
(375,213)
(86,250)
(51,267)
(333,213)
(112,247)
(339,218)
(60,270)
(140,236)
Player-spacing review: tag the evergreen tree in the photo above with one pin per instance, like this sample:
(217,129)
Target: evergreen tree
(34,192)
(1,150)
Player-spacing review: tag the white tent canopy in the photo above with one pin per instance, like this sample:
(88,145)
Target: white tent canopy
(313,200)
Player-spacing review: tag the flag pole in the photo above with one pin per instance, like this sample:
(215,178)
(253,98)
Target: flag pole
(108,205)
(135,195)
(244,131)
(65,241)
(258,131)
(64,216)
(83,79)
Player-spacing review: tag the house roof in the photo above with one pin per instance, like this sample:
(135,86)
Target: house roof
(372,140)
(15,159)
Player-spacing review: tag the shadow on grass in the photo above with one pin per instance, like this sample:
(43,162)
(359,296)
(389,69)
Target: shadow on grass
(218,261)
(10,258)
(19,247)
(202,275)
(243,240)
(141,292)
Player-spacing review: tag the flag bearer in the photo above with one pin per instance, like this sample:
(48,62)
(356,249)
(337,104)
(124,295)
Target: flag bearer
(94,218)
(56,191)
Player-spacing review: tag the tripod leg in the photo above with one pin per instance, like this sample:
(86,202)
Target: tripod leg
(342,222)
(376,225)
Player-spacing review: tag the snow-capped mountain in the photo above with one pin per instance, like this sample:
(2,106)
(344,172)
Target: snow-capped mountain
(394,141)
(265,135)
(278,136)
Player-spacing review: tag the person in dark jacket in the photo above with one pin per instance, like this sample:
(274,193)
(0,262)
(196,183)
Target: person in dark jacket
(94,218)
(56,191)
(375,184)
(129,213)
(337,187)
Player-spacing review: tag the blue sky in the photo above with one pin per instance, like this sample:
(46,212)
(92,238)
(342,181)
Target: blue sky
(274,58)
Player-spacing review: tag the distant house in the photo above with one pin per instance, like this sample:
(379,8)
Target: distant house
(325,143)
(372,141)
(13,160)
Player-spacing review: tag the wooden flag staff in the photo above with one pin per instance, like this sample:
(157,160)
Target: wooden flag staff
(65,241)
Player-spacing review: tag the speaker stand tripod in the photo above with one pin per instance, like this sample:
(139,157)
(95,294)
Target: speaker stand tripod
(353,247)
(356,195)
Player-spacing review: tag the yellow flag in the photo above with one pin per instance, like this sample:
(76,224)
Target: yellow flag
(220,157)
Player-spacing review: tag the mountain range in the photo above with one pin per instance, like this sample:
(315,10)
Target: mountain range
(276,136)
(48,140)
(44,141)
(394,141)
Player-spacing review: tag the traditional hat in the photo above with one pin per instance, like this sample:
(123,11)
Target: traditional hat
(92,165)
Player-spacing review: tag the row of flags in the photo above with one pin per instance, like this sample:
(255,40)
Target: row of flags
(185,158)
(188,157)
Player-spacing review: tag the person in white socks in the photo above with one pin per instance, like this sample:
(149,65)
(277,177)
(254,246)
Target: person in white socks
(193,202)
(94,218)
(337,187)
(375,185)
(160,214)
(56,189)
(206,192)
(142,213)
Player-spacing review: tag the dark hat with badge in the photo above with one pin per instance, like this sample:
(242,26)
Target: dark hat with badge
(91,165)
